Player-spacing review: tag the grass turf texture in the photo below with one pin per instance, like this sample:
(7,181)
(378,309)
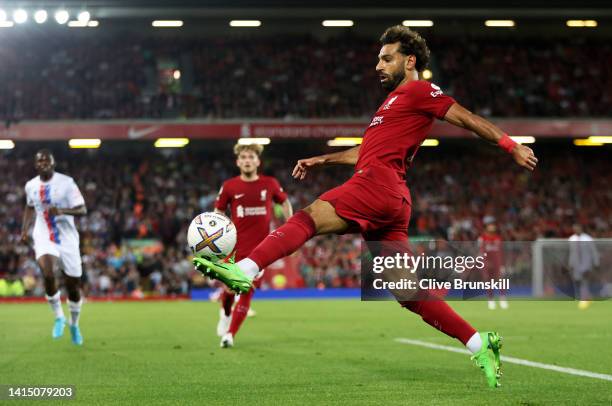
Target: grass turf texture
(304,352)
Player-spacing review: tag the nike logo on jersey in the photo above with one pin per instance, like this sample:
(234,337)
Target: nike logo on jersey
(238,196)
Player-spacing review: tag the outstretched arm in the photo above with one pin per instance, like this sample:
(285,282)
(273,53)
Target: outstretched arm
(462,117)
(74,211)
(346,157)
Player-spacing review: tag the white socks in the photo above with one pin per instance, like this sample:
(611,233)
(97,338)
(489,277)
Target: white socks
(249,267)
(75,311)
(474,344)
(56,304)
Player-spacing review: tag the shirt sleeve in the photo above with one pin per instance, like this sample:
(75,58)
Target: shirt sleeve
(29,200)
(278,194)
(75,198)
(430,99)
(223,198)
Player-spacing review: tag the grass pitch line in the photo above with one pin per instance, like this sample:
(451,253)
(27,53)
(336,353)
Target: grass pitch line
(511,360)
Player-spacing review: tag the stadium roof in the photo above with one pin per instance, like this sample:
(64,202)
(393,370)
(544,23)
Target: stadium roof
(318,8)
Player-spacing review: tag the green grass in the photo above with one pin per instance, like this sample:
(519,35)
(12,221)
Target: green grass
(304,352)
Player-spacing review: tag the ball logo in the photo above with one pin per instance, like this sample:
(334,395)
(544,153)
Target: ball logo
(209,240)
(212,223)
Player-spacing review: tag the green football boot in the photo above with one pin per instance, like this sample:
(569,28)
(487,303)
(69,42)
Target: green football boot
(227,272)
(490,362)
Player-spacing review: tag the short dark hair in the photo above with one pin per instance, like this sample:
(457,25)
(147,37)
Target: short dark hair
(411,43)
(45,152)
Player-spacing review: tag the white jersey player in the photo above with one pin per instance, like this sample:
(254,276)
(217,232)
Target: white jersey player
(53,199)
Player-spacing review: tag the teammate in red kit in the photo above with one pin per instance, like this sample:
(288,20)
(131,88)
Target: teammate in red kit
(376,201)
(250,197)
(492,246)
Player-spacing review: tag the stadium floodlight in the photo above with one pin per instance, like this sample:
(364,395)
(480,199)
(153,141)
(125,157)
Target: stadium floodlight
(20,16)
(581,23)
(7,144)
(40,16)
(85,143)
(338,23)
(167,23)
(345,141)
(171,142)
(176,74)
(585,142)
(2,15)
(6,24)
(84,16)
(430,142)
(417,23)
(62,16)
(500,23)
(602,139)
(245,23)
(251,141)
(93,23)
(523,140)
(427,74)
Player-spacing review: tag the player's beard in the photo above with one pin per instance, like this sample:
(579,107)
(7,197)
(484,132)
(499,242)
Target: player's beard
(393,81)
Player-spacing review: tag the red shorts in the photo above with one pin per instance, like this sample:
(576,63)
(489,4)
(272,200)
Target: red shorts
(377,203)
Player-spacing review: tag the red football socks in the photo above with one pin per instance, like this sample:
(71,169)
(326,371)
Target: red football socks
(240,311)
(284,240)
(227,301)
(440,315)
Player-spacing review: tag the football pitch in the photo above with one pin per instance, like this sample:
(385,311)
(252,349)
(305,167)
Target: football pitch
(306,352)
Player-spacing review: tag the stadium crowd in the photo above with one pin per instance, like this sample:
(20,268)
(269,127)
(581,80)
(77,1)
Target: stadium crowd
(133,238)
(99,77)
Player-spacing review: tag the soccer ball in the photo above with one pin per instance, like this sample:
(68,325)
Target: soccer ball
(212,236)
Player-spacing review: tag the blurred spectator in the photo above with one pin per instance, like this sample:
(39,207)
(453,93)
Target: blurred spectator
(67,76)
(452,190)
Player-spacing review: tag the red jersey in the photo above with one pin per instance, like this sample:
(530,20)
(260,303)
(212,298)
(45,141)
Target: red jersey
(492,245)
(251,208)
(401,124)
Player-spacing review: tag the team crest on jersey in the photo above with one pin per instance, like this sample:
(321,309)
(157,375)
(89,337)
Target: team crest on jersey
(389,103)
(263,195)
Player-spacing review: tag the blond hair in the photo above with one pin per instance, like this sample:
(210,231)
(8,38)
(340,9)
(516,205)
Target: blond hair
(256,148)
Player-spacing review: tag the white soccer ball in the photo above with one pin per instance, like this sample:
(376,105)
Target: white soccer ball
(211,236)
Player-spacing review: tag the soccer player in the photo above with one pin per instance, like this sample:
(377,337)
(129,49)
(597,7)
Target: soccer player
(56,199)
(376,201)
(250,197)
(492,247)
(583,259)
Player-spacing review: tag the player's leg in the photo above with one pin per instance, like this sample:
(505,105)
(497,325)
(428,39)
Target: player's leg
(498,273)
(48,265)
(490,272)
(437,313)
(318,218)
(240,313)
(226,299)
(70,261)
